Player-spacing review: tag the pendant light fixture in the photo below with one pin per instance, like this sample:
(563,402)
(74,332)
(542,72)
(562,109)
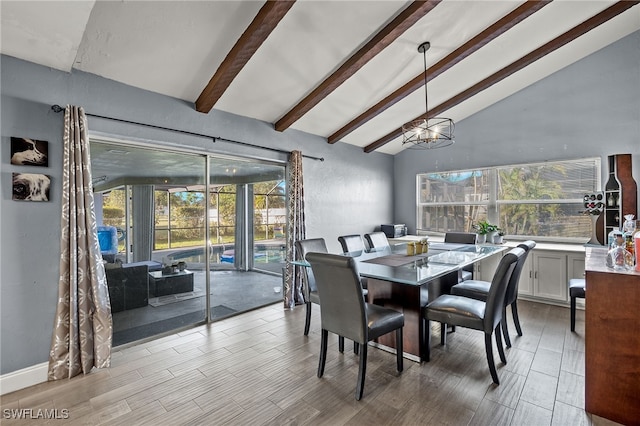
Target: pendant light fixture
(428,132)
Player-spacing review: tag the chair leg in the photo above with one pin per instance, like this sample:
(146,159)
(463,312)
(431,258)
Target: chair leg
(341,344)
(427,339)
(399,350)
(443,333)
(573,314)
(361,372)
(503,358)
(489,350)
(505,328)
(323,351)
(356,348)
(307,321)
(516,318)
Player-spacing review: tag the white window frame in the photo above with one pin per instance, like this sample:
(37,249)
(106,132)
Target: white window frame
(493,204)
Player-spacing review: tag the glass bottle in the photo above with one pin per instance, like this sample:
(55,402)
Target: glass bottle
(629,225)
(629,228)
(611,238)
(619,258)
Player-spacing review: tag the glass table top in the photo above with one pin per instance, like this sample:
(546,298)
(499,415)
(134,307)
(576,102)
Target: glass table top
(418,269)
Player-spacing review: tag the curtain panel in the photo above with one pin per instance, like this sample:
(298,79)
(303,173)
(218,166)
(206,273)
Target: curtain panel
(295,230)
(83,328)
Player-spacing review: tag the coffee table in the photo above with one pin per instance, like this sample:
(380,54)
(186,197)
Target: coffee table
(176,282)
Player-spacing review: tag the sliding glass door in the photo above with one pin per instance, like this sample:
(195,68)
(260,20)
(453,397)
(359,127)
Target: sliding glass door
(185,242)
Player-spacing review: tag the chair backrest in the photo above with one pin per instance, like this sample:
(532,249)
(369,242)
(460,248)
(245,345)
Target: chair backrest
(342,310)
(460,237)
(376,240)
(512,288)
(351,243)
(498,289)
(303,247)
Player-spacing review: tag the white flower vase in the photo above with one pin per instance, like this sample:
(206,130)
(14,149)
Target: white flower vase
(491,236)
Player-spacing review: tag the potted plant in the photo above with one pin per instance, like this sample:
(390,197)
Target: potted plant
(498,238)
(486,231)
(482,229)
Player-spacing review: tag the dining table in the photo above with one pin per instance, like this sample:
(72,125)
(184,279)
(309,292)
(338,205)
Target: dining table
(408,282)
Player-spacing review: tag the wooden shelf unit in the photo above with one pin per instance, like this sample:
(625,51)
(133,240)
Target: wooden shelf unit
(620,194)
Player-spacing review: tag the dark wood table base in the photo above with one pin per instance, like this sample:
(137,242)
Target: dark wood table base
(409,299)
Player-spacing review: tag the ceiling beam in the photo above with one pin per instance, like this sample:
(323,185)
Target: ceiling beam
(405,19)
(487,35)
(256,33)
(563,39)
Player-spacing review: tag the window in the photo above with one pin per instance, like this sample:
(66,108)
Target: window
(527,200)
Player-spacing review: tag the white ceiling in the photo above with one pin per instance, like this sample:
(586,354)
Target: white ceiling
(175,47)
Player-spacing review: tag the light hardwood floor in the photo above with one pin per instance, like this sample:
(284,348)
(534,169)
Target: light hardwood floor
(258,368)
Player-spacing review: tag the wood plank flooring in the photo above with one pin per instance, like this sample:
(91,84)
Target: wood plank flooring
(259,369)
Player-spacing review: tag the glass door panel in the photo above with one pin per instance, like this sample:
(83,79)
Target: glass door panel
(158,203)
(153,287)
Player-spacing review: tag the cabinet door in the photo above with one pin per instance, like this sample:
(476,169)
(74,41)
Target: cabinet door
(525,285)
(550,275)
(486,268)
(575,265)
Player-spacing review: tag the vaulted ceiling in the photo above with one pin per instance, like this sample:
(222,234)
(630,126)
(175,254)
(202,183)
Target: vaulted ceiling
(348,71)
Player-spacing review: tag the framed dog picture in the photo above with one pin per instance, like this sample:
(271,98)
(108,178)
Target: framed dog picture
(29,152)
(30,187)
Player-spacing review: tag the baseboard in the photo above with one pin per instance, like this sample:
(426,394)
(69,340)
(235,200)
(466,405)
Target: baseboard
(24,378)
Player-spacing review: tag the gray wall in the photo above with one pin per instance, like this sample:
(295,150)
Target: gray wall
(350,192)
(588,109)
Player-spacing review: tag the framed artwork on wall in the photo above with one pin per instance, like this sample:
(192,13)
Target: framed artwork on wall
(29,152)
(30,187)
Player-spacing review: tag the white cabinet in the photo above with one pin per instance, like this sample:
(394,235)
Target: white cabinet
(485,269)
(525,285)
(550,275)
(546,274)
(575,265)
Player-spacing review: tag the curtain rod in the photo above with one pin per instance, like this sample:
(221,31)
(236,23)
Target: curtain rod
(57,108)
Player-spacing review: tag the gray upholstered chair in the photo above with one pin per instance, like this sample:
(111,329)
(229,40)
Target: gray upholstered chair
(475,314)
(466,273)
(376,241)
(477,289)
(351,243)
(310,290)
(577,288)
(345,312)
(354,245)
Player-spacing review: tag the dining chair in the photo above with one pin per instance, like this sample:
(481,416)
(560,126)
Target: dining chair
(477,289)
(354,245)
(351,243)
(345,312)
(577,288)
(376,240)
(485,316)
(466,273)
(303,247)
